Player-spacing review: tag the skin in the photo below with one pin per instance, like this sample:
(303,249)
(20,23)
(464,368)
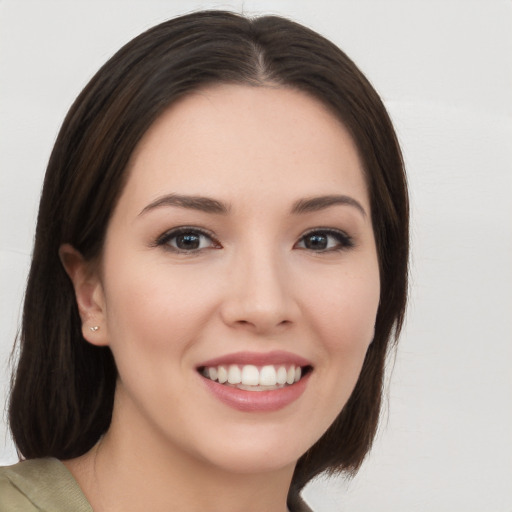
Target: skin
(253,286)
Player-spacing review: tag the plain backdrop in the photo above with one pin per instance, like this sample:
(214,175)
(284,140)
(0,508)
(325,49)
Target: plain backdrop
(444,70)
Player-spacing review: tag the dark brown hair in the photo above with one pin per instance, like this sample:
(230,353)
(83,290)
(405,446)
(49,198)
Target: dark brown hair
(63,390)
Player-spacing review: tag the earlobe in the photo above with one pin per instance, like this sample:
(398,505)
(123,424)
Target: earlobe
(88,293)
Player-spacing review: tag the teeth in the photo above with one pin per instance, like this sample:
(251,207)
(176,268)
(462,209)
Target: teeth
(247,376)
(281,375)
(234,375)
(250,375)
(222,374)
(268,376)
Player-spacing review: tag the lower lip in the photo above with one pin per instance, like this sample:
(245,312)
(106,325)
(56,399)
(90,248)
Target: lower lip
(257,401)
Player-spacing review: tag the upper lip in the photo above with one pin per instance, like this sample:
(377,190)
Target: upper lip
(274,357)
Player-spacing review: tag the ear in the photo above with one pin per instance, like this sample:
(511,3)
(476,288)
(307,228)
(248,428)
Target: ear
(89,294)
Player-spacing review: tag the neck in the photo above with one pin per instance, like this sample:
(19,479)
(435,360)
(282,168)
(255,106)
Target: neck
(127,471)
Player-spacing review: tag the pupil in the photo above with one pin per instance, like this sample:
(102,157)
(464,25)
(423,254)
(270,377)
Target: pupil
(188,241)
(316,242)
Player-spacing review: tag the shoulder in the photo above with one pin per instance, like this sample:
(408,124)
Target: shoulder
(40,484)
(11,498)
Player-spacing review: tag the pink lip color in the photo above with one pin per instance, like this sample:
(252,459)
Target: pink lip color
(257,359)
(257,401)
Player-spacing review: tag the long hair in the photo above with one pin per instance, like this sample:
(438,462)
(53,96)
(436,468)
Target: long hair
(63,390)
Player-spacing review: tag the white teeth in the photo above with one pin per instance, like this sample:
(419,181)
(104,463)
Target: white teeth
(250,375)
(234,374)
(212,373)
(268,376)
(281,375)
(253,378)
(222,374)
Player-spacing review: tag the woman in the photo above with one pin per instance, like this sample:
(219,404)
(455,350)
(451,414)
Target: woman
(220,264)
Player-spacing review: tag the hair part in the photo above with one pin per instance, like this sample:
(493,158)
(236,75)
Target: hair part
(63,389)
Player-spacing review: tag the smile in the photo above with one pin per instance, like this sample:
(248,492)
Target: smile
(254,382)
(253,378)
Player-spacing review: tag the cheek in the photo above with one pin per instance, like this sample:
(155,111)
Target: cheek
(150,326)
(155,310)
(343,318)
(345,311)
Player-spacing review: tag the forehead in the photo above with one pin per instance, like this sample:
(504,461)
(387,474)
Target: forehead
(229,140)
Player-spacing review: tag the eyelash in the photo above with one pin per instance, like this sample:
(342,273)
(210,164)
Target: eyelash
(165,239)
(342,240)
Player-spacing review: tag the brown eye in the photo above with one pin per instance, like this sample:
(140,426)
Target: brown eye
(316,241)
(187,240)
(325,240)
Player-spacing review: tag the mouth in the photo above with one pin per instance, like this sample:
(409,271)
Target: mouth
(250,377)
(253,382)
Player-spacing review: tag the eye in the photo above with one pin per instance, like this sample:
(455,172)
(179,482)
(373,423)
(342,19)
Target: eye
(187,239)
(324,240)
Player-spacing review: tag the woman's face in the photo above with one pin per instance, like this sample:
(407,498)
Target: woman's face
(241,248)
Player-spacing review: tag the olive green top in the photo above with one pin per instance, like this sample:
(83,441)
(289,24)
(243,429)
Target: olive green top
(40,485)
(46,485)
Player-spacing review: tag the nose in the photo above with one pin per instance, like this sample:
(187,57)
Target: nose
(259,294)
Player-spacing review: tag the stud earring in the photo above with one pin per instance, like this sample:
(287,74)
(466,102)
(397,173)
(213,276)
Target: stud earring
(94,328)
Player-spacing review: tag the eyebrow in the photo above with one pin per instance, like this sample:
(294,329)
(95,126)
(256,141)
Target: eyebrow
(314,204)
(204,204)
(209,205)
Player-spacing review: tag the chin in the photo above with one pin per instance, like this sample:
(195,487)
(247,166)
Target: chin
(247,462)
(258,451)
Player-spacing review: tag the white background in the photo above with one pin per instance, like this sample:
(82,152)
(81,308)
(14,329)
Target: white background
(444,71)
